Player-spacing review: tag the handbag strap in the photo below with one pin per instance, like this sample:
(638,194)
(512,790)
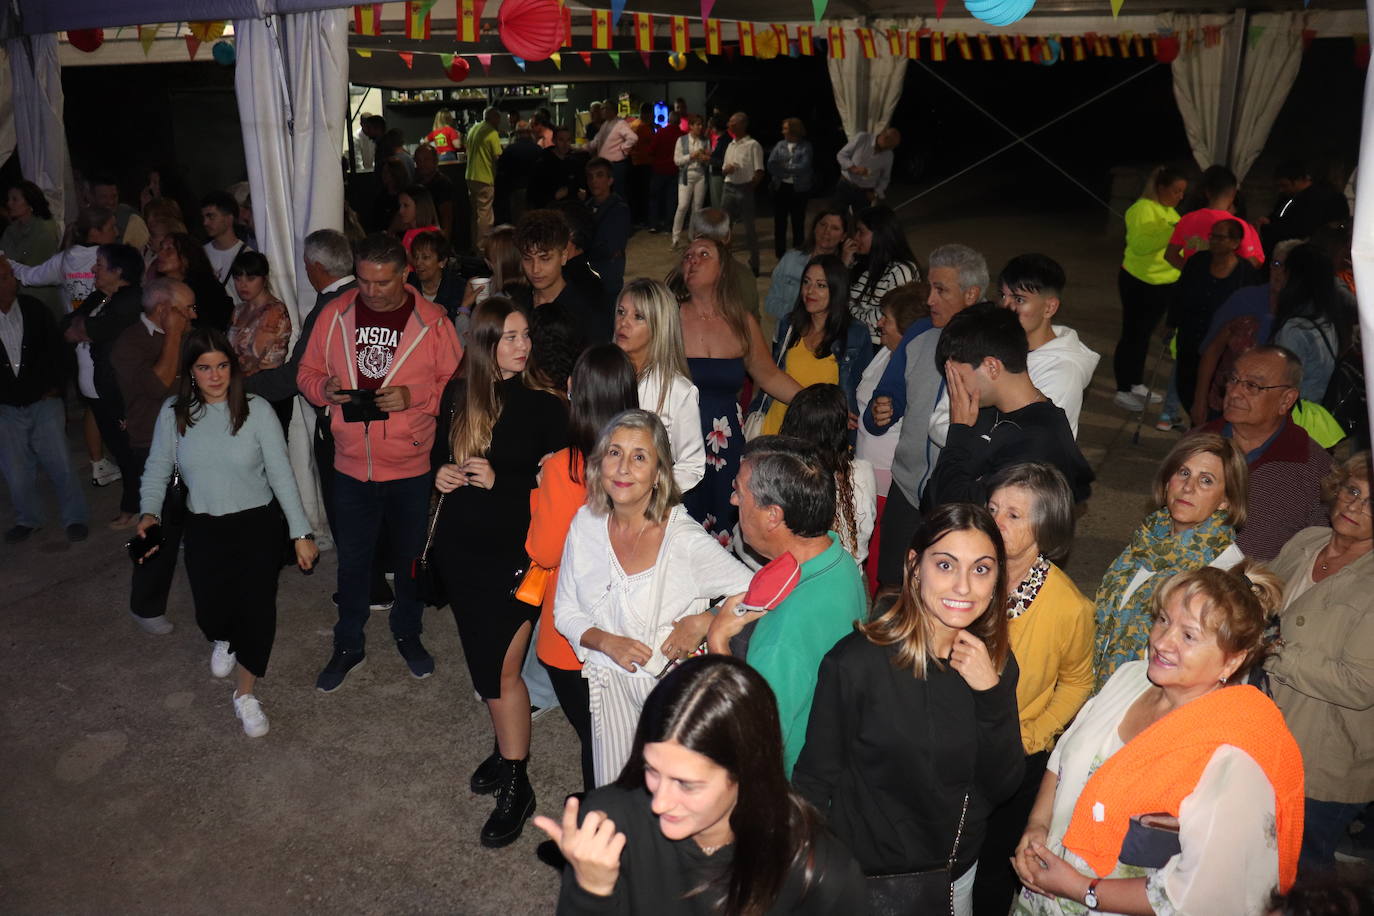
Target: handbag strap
(439,503)
(778,361)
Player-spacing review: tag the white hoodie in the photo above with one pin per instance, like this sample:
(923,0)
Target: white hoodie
(1061,369)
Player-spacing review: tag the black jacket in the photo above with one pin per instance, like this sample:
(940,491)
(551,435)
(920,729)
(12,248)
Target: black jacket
(41,361)
(1036,432)
(120,311)
(888,758)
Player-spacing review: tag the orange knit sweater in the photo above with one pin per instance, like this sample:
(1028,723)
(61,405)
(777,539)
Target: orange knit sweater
(1161,766)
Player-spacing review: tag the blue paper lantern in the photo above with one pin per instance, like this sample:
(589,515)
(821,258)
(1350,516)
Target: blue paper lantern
(224,53)
(999,12)
(1056,53)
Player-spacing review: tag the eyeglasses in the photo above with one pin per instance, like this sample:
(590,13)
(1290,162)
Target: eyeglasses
(1352,495)
(1249,387)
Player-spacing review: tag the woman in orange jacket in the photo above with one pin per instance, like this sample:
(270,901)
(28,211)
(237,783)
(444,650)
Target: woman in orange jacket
(602,385)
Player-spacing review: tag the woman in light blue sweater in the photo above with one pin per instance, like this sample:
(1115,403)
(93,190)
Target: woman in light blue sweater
(228,449)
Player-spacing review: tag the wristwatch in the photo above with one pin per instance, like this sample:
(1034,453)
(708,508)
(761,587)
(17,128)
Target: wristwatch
(309,536)
(1090,897)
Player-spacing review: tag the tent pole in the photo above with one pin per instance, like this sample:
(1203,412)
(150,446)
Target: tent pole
(1233,66)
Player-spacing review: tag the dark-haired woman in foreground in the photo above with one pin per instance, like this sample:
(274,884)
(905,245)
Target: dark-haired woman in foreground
(702,819)
(229,449)
(914,736)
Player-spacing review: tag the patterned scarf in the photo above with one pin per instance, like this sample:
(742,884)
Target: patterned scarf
(1123,628)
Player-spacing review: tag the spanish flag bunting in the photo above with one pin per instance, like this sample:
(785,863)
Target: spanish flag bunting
(1139,46)
(1078,51)
(835,39)
(1008,49)
(644,32)
(147,34)
(965,51)
(469,20)
(712,36)
(866,44)
(780,30)
(586,57)
(567,26)
(367,19)
(1106,46)
(1023,49)
(601,29)
(804,45)
(746,38)
(417,19)
(1124,42)
(937,45)
(985,46)
(913,45)
(681,37)
(1046,51)
(894,42)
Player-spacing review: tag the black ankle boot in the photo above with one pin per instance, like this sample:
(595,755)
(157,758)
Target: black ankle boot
(487,776)
(514,805)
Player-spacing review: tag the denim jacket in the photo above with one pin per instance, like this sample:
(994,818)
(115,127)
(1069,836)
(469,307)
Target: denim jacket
(796,166)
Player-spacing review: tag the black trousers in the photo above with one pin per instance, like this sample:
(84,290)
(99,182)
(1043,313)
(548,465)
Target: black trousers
(1142,306)
(233,562)
(152,579)
(117,443)
(996,883)
(571,689)
(899,523)
(789,204)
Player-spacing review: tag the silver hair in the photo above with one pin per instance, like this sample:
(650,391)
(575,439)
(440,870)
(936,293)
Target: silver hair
(330,249)
(712,223)
(972,266)
(665,493)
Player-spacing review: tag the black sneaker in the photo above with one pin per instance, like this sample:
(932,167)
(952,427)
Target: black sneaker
(413,651)
(340,664)
(77,532)
(18,533)
(374,604)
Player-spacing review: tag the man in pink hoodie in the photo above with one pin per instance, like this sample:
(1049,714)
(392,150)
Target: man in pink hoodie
(386,345)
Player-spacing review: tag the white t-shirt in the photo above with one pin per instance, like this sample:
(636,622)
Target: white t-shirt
(220,262)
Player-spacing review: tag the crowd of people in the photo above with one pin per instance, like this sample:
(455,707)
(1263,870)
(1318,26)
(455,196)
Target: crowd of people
(792,569)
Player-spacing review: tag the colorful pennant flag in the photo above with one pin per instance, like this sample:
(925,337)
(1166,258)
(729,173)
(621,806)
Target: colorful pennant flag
(147,34)
(557,60)
(417,19)
(615,58)
(866,44)
(746,38)
(519,62)
(940,10)
(367,19)
(712,35)
(913,45)
(485,61)
(192,45)
(804,45)
(706,7)
(681,36)
(586,57)
(601,29)
(617,7)
(644,32)
(836,42)
(212,30)
(701,56)
(407,58)
(937,45)
(645,56)
(1116,7)
(470,20)
(364,53)
(818,9)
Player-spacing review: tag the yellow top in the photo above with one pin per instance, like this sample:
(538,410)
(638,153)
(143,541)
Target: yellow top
(803,366)
(1148,227)
(1053,642)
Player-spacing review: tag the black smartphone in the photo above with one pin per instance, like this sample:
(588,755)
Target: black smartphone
(140,546)
(363,406)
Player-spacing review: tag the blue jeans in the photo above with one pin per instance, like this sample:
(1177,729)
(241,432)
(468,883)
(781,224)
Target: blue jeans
(362,511)
(32,436)
(1323,828)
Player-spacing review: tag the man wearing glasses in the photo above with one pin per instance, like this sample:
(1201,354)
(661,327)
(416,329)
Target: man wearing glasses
(1286,465)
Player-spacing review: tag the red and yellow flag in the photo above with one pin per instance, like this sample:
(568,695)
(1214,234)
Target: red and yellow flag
(417,19)
(894,42)
(780,30)
(1139,46)
(367,19)
(681,37)
(1023,49)
(965,51)
(1124,42)
(469,20)
(937,45)
(712,35)
(1078,51)
(985,46)
(644,32)
(1008,48)
(835,36)
(746,38)
(804,45)
(601,29)
(866,43)
(913,45)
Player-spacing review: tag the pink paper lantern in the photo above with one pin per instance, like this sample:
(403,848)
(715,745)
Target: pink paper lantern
(530,29)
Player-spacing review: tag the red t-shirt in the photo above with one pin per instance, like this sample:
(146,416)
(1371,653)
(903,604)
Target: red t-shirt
(1198,225)
(377,339)
(444,140)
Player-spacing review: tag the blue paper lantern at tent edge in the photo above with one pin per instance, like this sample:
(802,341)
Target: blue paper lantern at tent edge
(224,53)
(999,12)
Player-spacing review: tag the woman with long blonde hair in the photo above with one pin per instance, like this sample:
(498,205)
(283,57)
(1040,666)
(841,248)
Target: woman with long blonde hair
(648,330)
(500,424)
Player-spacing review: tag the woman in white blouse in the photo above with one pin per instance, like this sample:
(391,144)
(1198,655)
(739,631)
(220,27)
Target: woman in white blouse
(635,581)
(647,328)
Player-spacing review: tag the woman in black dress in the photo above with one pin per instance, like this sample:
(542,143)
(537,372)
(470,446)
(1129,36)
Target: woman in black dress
(501,425)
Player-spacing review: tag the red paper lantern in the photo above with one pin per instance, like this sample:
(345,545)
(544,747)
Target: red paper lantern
(530,29)
(458,70)
(1167,49)
(86,39)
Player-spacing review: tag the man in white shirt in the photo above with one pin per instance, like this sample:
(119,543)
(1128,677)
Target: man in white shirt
(218,213)
(743,171)
(866,168)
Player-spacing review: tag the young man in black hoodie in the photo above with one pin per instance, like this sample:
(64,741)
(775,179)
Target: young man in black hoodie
(997,417)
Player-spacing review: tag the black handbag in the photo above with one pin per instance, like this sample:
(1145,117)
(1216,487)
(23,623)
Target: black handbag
(917,892)
(174,502)
(428,587)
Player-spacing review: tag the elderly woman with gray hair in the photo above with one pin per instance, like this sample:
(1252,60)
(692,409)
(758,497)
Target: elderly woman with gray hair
(635,580)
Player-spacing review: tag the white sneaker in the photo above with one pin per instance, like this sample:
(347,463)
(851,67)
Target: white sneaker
(1154,396)
(1129,400)
(158,626)
(104,472)
(221,659)
(250,713)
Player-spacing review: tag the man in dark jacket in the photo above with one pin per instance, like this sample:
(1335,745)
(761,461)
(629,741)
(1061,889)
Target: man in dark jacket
(32,417)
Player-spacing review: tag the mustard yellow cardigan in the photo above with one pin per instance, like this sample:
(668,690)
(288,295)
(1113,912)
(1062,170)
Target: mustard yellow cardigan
(1053,642)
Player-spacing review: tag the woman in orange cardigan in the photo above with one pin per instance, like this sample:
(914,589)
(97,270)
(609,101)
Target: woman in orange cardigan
(602,384)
